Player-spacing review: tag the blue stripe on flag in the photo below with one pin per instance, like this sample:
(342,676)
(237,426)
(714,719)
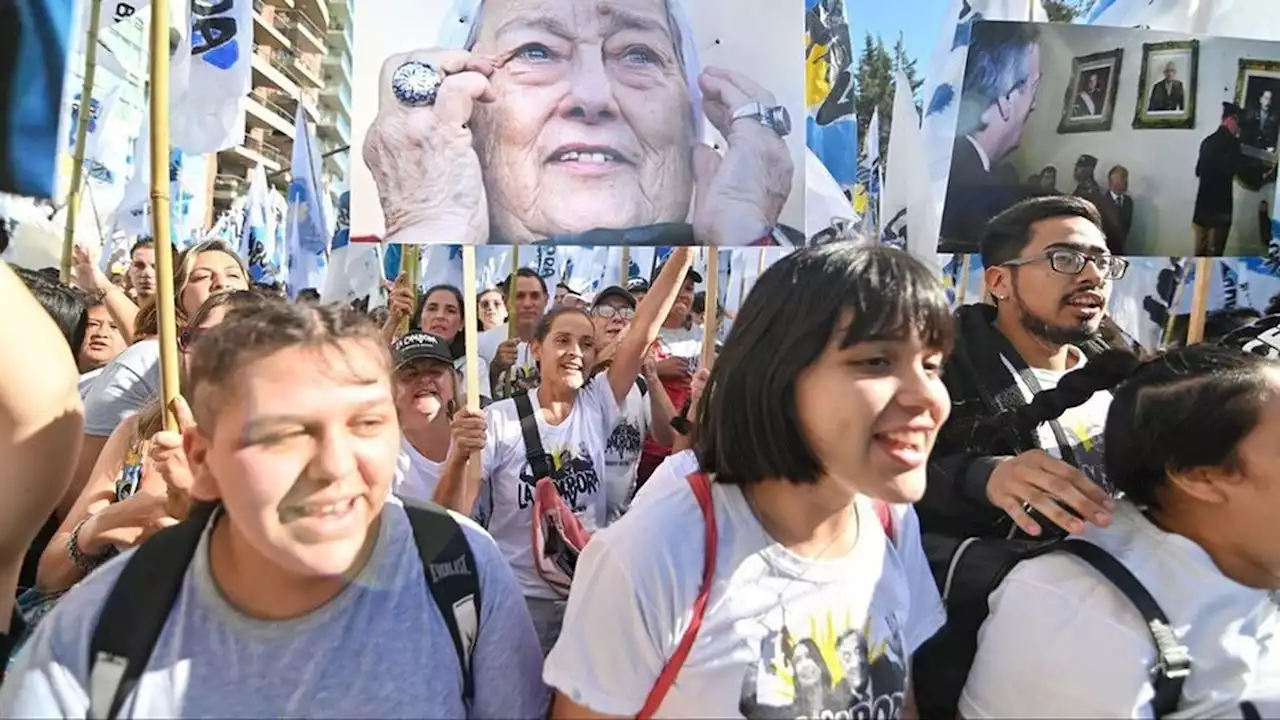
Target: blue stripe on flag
(34,44)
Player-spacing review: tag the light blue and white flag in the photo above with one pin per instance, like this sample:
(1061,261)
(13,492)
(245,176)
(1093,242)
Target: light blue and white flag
(208,115)
(831,127)
(1255,19)
(266,257)
(308,231)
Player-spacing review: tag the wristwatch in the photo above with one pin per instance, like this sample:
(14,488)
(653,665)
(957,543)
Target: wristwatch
(87,563)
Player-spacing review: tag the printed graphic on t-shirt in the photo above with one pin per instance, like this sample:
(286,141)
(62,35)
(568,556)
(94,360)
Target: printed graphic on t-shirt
(835,669)
(624,444)
(572,472)
(1087,445)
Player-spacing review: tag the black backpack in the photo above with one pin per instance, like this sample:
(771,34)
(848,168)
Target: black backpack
(138,606)
(969,570)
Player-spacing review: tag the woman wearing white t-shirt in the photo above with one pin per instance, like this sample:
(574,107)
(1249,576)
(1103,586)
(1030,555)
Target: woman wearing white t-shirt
(1191,443)
(439,312)
(823,404)
(575,419)
(426,386)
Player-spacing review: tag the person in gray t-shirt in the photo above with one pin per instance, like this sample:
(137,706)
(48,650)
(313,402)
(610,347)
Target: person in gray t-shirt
(306,595)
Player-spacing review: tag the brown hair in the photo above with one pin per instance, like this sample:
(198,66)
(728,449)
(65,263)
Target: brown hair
(266,327)
(147,322)
(185,262)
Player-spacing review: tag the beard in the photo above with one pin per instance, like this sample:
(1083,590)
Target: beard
(1056,334)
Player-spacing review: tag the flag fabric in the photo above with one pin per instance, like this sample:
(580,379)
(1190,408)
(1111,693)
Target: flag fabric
(1253,19)
(902,209)
(216,59)
(133,216)
(267,259)
(825,204)
(35,40)
(308,233)
(831,128)
(942,94)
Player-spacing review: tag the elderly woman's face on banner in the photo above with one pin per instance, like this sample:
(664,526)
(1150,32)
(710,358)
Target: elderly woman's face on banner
(591,125)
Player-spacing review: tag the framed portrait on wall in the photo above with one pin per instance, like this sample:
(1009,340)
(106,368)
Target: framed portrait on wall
(1167,85)
(1090,101)
(1258,92)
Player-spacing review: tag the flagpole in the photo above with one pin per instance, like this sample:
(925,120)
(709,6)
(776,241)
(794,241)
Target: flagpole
(409,269)
(166,315)
(626,266)
(82,133)
(93,205)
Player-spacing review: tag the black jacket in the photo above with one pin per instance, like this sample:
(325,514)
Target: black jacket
(970,445)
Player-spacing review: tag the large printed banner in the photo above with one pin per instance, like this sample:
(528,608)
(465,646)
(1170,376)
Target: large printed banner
(1173,137)
(595,121)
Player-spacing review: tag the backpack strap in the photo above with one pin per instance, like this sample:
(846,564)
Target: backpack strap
(539,462)
(452,577)
(644,386)
(701,486)
(136,610)
(1173,663)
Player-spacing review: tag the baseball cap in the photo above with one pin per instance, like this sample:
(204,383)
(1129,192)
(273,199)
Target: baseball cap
(693,275)
(615,291)
(418,345)
(637,284)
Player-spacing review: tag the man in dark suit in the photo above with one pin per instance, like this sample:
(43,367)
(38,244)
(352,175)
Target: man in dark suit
(1264,126)
(1091,99)
(1167,95)
(1117,209)
(1219,162)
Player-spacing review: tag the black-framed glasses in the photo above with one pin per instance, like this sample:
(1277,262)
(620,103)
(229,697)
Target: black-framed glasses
(1069,261)
(608,312)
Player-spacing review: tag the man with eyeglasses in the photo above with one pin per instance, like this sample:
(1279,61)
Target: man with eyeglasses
(647,408)
(1048,274)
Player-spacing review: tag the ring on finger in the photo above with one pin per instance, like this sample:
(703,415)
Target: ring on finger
(777,118)
(416,83)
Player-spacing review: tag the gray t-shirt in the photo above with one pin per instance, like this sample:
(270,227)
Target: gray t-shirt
(380,649)
(124,386)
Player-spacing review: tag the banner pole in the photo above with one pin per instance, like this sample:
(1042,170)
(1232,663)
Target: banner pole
(82,134)
(167,315)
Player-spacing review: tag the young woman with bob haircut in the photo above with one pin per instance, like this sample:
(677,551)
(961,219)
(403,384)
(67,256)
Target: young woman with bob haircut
(817,420)
(1191,445)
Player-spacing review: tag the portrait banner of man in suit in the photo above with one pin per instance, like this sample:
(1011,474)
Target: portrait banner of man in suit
(1167,89)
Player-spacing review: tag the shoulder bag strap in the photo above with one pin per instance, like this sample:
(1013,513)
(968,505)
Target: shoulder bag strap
(539,463)
(136,611)
(452,578)
(701,486)
(1173,663)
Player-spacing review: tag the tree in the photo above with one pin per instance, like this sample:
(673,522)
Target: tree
(874,89)
(1067,10)
(907,64)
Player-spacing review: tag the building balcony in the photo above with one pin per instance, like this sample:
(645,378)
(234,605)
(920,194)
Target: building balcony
(342,9)
(285,4)
(267,115)
(337,163)
(229,186)
(340,35)
(302,70)
(267,73)
(335,124)
(336,95)
(337,67)
(305,34)
(253,152)
(315,10)
(265,32)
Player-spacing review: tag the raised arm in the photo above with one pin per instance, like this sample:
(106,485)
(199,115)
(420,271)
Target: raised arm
(650,313)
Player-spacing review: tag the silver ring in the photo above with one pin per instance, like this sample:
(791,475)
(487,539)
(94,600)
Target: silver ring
(775,117)
(416,83)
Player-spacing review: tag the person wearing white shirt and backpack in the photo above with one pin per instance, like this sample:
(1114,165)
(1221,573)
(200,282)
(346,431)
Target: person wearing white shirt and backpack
(1186,625)
(787,578)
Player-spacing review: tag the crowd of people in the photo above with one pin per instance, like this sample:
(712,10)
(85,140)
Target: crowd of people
(865,505)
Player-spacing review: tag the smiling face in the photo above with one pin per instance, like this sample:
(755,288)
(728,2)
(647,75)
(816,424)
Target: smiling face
(212,272)
(611,316)
(871,414)
(301,450)
(442,314)
(567,352)
(102,340)
(592,125)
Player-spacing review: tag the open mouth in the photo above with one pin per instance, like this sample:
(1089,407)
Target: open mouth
(324,511)
(587,157)
(907,448)
(1087,303)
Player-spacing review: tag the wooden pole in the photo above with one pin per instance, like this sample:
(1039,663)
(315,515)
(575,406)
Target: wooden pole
(626,266)
(167,317)
(409,273)
(82,134)
(1200,300)
(711,316)
(471,335)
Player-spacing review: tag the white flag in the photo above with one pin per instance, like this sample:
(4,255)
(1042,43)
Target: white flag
(906,214)
(208,115)
(1255,19)
(308,230)
(825,204)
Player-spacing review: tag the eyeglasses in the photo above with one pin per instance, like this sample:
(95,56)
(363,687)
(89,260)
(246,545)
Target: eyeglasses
(1068,261)
(187,337)
(607,312)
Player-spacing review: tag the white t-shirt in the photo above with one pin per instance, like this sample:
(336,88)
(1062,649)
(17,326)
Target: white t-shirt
(506,493)
(671,475)
(622,450)
(1062,642)
(416,476)
(86,381)
(124,387)
(680,342)
(461,366)
(783,636)
(1082,425)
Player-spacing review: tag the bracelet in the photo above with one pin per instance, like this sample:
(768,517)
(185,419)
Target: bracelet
(87,563)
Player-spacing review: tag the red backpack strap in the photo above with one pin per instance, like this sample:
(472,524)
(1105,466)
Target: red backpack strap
(885,513)
(701,486)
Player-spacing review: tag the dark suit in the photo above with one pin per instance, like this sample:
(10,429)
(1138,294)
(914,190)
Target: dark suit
(1167,95)
(1219,163)
(1082,110)
(1117,220)
(1263,129)
(974,196)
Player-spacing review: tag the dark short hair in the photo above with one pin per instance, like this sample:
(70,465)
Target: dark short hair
(1117,169)
(143,243)
(65,306)
(1008,233)
(525,272)
(748,425)
(458,343)
(309,296)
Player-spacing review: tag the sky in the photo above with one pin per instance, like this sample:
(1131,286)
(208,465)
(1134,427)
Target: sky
(920,21)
